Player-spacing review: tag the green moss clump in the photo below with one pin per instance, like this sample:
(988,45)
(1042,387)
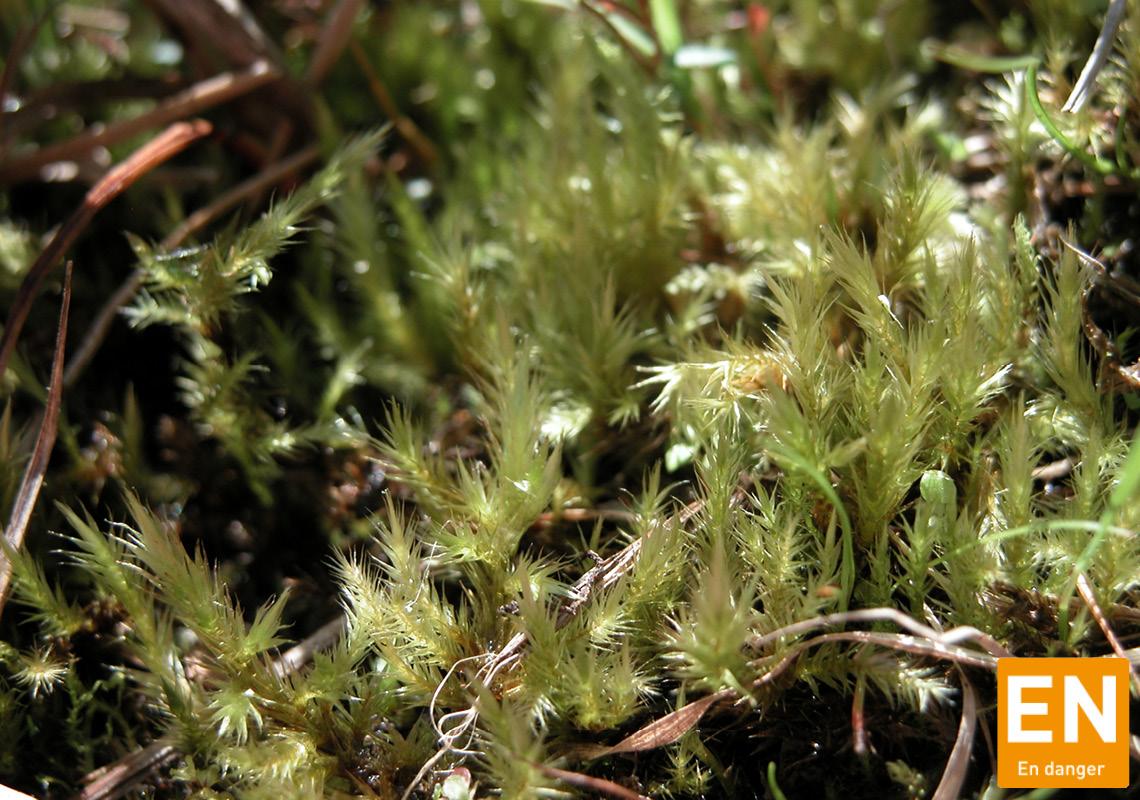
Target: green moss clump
(702,325)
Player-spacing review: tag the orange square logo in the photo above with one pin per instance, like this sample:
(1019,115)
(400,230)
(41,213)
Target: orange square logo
(1062,723)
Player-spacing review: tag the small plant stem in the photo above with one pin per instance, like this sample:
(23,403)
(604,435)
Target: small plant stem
(118,179)
(954,776)
(1093,162)
(334,38)
(29,491)
(953,636)
(589,783)
(269,176)
(403,124)
(773,786)
(199,97)
(81,94)
(1089,596)
(226,28)
(858,717)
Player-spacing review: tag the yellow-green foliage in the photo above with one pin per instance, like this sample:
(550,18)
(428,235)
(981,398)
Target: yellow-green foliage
(795,354)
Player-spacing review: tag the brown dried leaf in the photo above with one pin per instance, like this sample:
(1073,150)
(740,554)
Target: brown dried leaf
(661,732)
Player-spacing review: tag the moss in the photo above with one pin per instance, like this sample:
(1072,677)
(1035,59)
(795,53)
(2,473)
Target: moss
(697,325)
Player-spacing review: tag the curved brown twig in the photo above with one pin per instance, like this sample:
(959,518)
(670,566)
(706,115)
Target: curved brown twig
(334,38)
(159,149)
(194,100)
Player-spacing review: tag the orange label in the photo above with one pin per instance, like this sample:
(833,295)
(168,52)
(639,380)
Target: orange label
(1062,723)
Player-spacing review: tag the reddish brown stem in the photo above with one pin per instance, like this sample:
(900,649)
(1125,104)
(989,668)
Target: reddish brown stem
(164,146)
(47,103)
(199,97)
(859,719)
(33,479)
(589,783)
(224,28)
(403,125)
(334,38)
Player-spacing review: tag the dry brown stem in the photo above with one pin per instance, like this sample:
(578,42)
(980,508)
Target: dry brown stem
(158,150)
(194,100)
